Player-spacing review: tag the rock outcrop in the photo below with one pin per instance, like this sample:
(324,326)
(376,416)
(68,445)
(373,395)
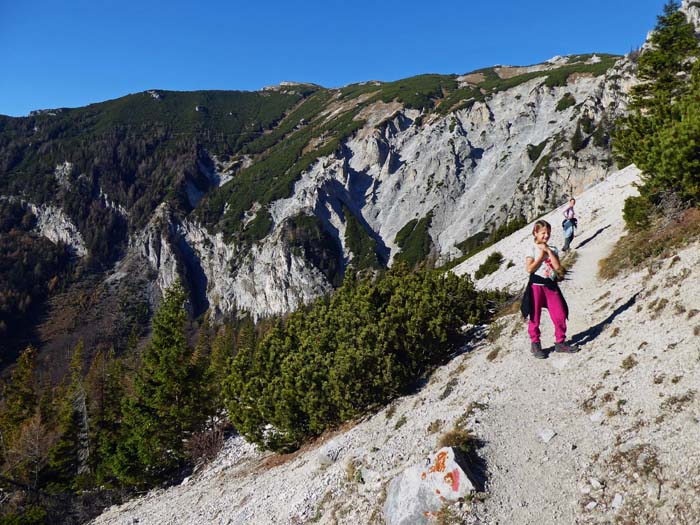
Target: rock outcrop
(469,170)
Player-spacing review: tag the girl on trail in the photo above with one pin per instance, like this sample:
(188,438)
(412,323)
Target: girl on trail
(570,222)
(543,292)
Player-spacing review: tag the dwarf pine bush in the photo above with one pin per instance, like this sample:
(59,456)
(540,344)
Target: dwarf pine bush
(349,354)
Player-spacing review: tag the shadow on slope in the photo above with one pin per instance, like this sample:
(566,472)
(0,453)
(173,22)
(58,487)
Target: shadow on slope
(586,241)
(589,335)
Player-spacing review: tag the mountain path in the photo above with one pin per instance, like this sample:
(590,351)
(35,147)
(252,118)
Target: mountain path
(536,481)
(607,434)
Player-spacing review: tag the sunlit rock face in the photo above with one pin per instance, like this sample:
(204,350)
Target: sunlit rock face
(509,156)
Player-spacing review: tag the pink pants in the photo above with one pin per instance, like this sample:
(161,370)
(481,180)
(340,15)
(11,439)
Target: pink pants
(550,299)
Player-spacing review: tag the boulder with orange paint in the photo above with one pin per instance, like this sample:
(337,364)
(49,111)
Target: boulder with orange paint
(420,491)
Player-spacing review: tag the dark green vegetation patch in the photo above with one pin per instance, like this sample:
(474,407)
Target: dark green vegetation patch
(534,152)
(482,240)
(363,247)
(490,265)
(414,240)
(306,237)
(350,354)
(566,102)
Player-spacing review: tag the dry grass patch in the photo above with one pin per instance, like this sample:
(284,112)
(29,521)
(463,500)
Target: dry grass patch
(644,248)
(657,306)
(606,294)
(449,388)
(460,439)
(678,403)
(400,422)
(629,362)
(510,307)
(434,426)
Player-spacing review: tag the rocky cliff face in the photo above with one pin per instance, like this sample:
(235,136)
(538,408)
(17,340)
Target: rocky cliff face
(517,144)
(691,9)
(470,170)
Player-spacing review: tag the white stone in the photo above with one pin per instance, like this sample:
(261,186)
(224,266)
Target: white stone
(546,435)
(422,489)
(597,416)
(617,501)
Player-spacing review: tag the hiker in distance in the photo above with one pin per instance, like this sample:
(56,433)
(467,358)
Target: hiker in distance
(542,291)
(570,223)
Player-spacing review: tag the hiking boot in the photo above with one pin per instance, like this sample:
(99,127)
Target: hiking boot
(565,348)
(536,349)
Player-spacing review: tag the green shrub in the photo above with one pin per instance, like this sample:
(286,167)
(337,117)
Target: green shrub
(414,241)
(601,138)
(490,265)
(482,240)
(419,92)
(577,140)
(359,242)
(587,124)
(258,228)
(566,102)
(542,168)
(534,152)
(637,212)
(30,515)
(306,237)
(348,354)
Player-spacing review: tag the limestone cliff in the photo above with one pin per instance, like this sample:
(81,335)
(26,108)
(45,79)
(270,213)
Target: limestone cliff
(507,156)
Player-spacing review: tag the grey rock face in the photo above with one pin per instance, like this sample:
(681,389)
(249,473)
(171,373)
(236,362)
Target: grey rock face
(53,224)
(692,11)
(471,170)
(269,279)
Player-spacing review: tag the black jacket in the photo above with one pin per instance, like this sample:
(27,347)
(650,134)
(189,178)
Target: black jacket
(526,305)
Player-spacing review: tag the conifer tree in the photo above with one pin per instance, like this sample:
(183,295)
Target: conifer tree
(105,392)
(19,396)
(577,141)
(662,134)
(167,406)
(662,70)
(222,351)
(70,455)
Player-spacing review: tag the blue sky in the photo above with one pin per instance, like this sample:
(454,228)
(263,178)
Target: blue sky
(74,52)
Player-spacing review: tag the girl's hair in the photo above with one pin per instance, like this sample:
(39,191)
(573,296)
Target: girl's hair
(539,225)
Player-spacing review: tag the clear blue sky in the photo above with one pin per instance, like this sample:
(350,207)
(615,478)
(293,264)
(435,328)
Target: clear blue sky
(74,52)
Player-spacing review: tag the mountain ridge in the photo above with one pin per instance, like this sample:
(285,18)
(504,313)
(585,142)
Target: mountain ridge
(363,150)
